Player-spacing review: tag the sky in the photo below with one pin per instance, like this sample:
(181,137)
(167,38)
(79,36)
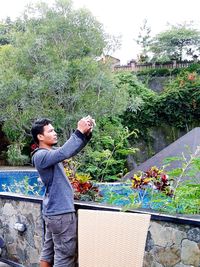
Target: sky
(125,17)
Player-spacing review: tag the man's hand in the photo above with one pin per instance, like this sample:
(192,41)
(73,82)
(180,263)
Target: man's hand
(86,124)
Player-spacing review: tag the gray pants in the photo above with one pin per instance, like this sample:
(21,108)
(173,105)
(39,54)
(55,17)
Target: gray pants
(60,242)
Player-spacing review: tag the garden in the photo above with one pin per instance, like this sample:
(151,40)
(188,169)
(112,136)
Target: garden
(52,65)
(44,74)
(154,189)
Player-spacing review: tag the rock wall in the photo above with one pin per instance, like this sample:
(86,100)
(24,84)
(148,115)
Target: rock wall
(168,244)
(172,245)
(157,84)
(21,247)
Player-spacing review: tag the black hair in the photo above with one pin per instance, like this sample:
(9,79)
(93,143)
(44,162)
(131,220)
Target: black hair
(38,128)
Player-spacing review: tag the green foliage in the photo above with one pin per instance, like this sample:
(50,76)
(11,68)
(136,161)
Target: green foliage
(177,106)
(185,79)
(163,72)
(84,188)
(176,43)
(15,157)
(106,155)
(139,94)
(186,200)
(50,69)
(189,166)
(144,40)
(168,192)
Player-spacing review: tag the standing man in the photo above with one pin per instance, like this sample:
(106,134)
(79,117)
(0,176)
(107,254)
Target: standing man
(60,242)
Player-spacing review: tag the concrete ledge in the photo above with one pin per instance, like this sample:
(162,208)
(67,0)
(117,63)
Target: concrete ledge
(179,219)
(157,216)
(7,263)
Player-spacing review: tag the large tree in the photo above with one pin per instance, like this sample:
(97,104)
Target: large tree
(50,68)
(180,42)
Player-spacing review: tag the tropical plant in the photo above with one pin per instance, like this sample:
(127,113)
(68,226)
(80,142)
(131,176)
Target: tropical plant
(172,112)
(84,188)
(154,177)
(189,167)
(186,200)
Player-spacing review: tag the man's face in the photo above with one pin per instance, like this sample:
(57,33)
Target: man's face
(49,136)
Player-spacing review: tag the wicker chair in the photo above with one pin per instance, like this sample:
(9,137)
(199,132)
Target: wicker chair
(111,239)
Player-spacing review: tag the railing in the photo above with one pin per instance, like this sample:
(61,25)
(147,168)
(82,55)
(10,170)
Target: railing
(133,66)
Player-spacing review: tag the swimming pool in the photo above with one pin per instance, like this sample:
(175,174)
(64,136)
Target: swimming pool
(122,195)
(20,181)
(27,182)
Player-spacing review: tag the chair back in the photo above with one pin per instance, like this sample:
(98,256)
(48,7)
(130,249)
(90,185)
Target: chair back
(111,239)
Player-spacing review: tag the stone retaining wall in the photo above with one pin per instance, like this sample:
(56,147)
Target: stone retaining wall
(169,244)
(172,245)
(21,247)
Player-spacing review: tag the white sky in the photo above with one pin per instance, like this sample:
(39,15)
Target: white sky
(125,17)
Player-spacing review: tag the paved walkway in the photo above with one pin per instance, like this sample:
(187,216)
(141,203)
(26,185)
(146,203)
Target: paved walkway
(18,168)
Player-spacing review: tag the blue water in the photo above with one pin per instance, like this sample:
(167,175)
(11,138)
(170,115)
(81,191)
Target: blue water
(112,193)
(123,195)
(16,181)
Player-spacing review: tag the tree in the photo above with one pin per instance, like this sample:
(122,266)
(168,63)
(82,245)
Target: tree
(50,69)
(144,41)
(180,42)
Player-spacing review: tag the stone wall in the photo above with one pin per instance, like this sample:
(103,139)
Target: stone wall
(172,245)
(169,244)
(21,247)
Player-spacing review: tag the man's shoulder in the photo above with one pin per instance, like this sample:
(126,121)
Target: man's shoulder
(39,150)
(39,153)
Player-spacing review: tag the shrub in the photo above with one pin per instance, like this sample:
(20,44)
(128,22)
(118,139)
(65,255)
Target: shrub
(84,188)
(154,177)
(15,157)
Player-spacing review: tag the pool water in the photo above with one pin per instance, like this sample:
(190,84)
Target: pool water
(119,194)
(122,195)
(17,181)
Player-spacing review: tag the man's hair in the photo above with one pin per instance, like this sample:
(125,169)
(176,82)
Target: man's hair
(38,128)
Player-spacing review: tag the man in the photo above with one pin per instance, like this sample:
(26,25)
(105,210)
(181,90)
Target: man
(60,242)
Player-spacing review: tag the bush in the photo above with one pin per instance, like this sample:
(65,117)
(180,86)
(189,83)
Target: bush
(15,157)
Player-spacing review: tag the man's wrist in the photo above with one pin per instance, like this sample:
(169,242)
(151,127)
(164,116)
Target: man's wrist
(83,136)
(80,130)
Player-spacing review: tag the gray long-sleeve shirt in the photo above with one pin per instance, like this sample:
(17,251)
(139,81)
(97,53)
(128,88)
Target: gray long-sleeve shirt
(59,197)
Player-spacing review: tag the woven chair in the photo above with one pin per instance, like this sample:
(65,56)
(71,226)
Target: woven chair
(111,239)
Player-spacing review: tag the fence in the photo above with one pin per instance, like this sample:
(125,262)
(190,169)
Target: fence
(134,67)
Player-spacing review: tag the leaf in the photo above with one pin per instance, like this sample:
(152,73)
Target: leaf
(196,162)
(172,159)
(175,172)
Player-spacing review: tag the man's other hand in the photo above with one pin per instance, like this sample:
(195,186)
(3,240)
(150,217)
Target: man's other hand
(85,126)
